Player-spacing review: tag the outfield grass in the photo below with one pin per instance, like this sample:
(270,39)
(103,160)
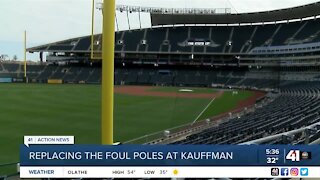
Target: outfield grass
(224,103)
(136,116)
(40,109)
(37,109)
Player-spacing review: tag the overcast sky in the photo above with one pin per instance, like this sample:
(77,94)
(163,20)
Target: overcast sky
(53,20)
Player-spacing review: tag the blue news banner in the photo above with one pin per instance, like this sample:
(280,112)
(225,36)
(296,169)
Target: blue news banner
(169,155)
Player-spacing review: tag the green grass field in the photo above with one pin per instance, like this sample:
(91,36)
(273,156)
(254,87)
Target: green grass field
(40,109)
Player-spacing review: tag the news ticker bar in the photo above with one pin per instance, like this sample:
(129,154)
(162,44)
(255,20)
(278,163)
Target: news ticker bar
(169,172)
(169,155)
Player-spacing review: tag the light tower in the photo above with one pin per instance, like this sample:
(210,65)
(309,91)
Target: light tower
(25,56)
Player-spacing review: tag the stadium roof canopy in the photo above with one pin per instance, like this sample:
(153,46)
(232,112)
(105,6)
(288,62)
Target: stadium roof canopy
(300,12)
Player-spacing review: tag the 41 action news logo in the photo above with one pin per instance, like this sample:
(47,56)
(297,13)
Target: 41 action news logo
(297,155)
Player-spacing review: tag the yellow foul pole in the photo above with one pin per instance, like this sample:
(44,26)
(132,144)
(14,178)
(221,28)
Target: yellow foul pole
(25,55)
(108,35)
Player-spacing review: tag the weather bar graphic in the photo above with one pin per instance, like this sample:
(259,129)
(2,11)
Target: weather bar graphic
(161,161)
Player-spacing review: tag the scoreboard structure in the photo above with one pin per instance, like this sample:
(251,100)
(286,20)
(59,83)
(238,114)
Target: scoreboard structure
(66,160)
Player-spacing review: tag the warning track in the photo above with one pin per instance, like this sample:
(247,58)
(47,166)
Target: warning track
(146,91)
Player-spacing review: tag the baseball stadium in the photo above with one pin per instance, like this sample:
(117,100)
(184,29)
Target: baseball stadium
(196,76)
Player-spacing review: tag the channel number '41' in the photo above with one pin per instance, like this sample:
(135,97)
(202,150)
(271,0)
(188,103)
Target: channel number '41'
(293,155)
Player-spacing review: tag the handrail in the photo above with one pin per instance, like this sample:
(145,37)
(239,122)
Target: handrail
(273,137)
(8,164)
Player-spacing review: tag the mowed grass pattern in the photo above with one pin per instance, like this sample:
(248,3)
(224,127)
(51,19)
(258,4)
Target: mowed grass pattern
(225,103)
(37,109)
(41,109)
(137,116)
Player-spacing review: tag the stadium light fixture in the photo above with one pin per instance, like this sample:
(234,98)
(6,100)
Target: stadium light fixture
(99,6)
(156,10)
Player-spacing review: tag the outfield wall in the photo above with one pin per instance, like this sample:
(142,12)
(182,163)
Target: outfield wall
(55,81)
(5,80)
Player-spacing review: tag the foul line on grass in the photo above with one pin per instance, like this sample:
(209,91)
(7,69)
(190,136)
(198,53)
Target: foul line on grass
(204,110)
